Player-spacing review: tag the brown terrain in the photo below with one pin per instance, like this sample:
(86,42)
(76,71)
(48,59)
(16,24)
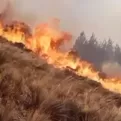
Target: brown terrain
(32,90)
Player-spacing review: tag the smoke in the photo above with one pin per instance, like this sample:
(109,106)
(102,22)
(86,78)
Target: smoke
(75,15)
(112,69)
(34,12)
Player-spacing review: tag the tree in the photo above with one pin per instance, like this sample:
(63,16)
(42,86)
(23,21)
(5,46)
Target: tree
(80,40)
(109,49)
(97,52)
(80,44)
(117,53)
(92,41)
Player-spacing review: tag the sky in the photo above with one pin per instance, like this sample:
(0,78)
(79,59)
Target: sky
(103,17)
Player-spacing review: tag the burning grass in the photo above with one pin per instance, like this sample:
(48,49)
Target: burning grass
(46,40)
(32,90)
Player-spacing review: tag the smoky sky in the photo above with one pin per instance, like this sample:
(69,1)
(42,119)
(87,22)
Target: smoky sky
(103,17)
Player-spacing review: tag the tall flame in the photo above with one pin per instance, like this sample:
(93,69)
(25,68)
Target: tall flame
(45,40)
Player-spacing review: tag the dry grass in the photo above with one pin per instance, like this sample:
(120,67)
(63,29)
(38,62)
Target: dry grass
(31,90)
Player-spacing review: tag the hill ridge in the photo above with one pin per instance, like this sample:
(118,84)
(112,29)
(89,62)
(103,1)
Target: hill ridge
(32,90)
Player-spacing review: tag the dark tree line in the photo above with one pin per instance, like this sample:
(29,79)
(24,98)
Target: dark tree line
(97,52)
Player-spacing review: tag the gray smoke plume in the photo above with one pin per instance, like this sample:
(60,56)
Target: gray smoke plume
(75,15)
(34,12)
(112,69)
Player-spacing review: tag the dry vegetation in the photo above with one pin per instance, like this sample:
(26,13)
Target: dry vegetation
(32,90)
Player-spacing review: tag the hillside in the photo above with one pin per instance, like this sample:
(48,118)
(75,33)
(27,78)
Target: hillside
(32,90)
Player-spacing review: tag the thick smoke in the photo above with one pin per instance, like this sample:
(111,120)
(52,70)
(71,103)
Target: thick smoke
(112,69)
(34,12)
(7,11)
(75,15)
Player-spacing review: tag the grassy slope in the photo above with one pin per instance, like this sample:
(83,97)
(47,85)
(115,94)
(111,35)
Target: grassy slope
(32,90)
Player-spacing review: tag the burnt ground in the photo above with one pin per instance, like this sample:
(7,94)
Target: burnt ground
(32,90)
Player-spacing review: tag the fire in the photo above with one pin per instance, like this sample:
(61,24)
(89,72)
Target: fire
(45,40)
(15,32)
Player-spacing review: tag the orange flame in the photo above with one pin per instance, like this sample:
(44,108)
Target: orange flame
(45,40)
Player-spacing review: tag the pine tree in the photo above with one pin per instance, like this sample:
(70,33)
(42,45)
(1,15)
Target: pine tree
(117,53)
(80,44)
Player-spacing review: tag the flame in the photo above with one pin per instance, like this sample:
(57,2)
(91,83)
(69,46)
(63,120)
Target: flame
(45,40)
